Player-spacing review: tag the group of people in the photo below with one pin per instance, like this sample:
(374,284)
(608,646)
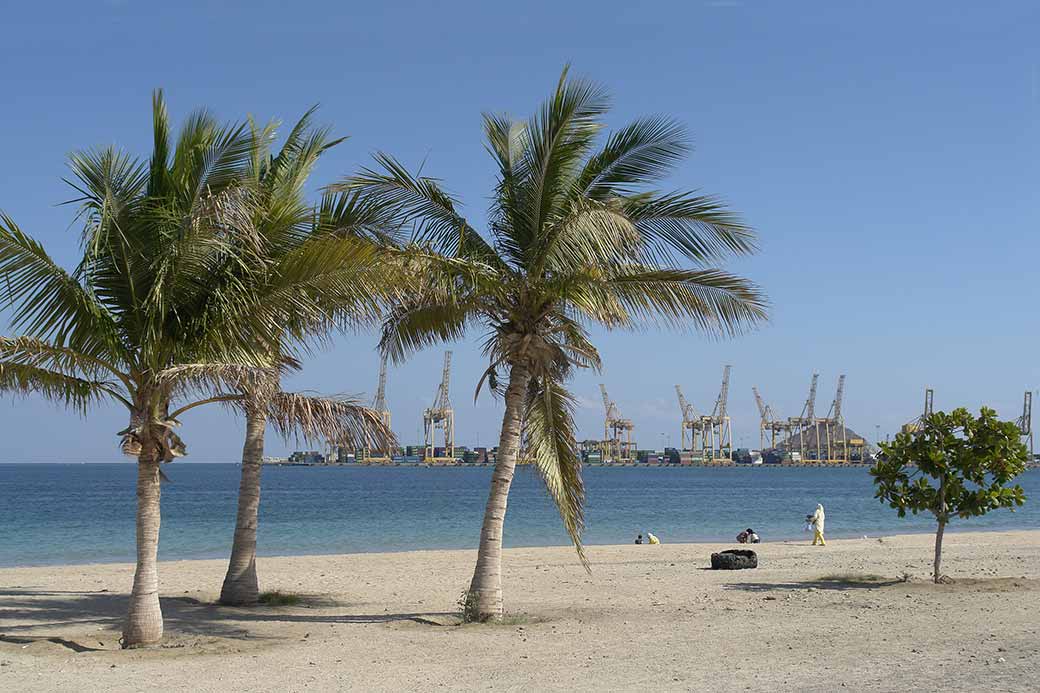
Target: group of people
(814,521)
(748,536)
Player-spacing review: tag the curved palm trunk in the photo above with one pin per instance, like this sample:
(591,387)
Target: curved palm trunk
(484,599)
(240,584)
(144,620)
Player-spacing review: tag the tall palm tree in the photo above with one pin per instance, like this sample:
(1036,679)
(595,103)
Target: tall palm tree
(577,237)
(159,286)
(333,257)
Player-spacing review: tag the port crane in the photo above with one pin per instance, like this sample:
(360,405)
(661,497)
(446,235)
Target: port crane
(691,423)
(807,421)
(441,417)
(1025,422)
(835,420)
(371,454)
(775,426)
(716,426)
(617,431)
(915,425)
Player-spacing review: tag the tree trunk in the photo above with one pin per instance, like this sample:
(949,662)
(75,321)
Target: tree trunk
(484,599)
(144,620)
(937,574)
(240,584)
(942,517)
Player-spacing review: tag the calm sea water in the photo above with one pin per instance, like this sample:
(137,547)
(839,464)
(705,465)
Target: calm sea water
(81,513)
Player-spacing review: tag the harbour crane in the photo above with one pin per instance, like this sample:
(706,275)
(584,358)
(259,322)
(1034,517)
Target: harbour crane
(617,432)
(381,456)
(768,423)
(802,424)
(834,419)
(1025,422)
(441,416)
(916,424)
(719,445)
(690,422)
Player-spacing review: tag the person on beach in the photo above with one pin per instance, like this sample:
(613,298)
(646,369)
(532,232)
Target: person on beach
(652,538)
(742,538)
(639,539)
(752,538)
(817,521)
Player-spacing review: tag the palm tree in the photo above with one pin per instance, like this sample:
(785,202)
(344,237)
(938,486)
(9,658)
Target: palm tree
(159,287)
(577,237)
(332,259)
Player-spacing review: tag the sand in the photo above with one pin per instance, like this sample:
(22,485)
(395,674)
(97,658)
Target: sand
(647,618)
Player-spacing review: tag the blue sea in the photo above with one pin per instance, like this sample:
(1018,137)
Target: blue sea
(84,513)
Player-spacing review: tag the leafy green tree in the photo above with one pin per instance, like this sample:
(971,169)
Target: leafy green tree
(953,465)
(578,236)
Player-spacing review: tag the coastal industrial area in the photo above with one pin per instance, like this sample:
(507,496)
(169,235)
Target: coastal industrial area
(807,439)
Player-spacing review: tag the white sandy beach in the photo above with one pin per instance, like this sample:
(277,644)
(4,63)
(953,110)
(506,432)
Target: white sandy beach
(647,618)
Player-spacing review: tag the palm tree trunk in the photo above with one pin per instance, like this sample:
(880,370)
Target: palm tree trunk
(484,599)
(144,620)
(240,584)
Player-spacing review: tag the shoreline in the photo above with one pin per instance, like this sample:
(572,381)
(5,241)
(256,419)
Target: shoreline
(837,537)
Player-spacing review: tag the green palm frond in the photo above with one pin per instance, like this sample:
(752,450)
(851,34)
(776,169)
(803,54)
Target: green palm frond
(47,301)
(78,394)
(691,226)
(635,156)
(552,447)
(419,202)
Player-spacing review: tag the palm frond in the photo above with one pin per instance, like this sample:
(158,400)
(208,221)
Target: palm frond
(341,420)
(553,449)
(78,394)
(696,227)
(205,379)
(47,301)
(712,301)
(637,155)
(420,202)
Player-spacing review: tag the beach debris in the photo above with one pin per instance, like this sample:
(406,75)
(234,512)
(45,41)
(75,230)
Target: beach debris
(734,559)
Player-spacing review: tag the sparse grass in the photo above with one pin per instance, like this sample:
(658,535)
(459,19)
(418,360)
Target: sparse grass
(277,598)
(853,578)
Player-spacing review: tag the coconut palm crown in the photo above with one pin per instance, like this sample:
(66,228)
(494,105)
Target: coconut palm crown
(578,235)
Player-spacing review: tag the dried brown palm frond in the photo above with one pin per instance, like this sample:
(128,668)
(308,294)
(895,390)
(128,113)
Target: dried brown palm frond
(341,420)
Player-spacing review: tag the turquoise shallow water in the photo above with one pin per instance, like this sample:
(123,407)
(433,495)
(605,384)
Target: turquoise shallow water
(52,514)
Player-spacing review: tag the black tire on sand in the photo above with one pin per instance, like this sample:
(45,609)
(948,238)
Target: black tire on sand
(734,559)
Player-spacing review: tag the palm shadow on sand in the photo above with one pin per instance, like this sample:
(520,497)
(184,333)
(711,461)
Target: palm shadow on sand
(29,615)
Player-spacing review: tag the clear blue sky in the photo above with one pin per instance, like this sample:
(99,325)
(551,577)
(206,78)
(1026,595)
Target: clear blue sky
(887,153)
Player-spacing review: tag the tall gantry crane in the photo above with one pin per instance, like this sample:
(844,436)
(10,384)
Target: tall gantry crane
(915,425)
(716,426)
(617,432)
(835,420)
(807,421)
(690,422)
(775,426)
(1025,422)
(371,454)
(441,416)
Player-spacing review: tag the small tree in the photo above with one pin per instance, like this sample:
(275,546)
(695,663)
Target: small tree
(953,465)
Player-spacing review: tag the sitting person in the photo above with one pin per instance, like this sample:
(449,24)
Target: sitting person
(639,539)
(742,538)
(652,538)
(752,538)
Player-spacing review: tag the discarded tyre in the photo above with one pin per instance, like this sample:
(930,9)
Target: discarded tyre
(734,559)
